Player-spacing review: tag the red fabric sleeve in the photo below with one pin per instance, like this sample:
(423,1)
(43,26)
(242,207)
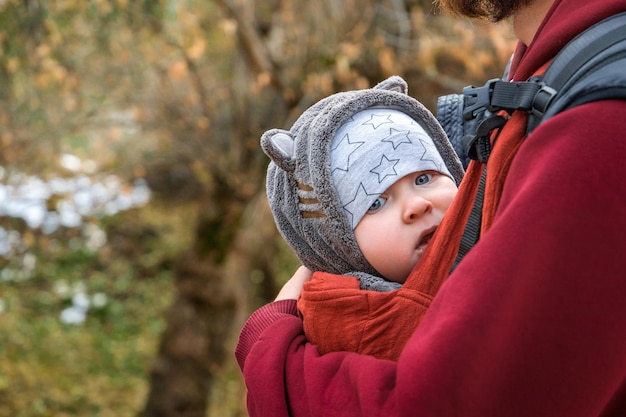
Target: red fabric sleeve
(338,316)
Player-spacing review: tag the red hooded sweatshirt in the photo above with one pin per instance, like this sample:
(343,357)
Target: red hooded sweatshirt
(531,323)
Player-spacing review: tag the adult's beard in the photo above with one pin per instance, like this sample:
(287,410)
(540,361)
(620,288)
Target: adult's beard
(494,10)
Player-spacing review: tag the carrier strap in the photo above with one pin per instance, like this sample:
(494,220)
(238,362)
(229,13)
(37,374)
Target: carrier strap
(474,222)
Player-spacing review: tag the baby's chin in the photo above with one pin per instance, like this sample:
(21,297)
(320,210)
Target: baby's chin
(408,272)
(402,277)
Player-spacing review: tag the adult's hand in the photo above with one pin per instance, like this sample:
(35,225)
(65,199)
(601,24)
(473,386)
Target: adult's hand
(292,288)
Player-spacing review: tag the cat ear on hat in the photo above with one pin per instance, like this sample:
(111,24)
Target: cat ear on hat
(394,83)
(280,147)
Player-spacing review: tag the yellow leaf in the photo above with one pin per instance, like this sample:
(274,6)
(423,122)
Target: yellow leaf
(13,65)
(196,50)
(177,70)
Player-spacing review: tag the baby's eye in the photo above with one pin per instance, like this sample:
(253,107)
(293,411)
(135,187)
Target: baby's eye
(423,179)
(377,204)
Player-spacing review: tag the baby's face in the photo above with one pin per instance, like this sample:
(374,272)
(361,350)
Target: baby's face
(396,229)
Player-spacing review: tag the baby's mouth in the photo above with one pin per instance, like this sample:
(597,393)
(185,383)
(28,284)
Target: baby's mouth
(425,239)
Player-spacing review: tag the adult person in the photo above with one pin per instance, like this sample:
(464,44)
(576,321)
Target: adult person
(531,322)
(358,186)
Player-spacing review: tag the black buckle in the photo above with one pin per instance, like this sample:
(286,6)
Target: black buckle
(542,100)
(478,147)
(478,99)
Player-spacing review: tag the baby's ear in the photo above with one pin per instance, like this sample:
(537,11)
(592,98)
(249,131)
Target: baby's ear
(279,145)
(394,83)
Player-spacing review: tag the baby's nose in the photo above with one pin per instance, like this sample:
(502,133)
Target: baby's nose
(415,207)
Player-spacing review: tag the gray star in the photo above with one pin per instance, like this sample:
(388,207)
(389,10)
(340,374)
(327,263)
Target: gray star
(352,205)
(376,120)
(397,137)
(348,148)
(429,150)
(385,168)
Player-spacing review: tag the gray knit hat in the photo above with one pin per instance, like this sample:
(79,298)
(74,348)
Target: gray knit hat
(302,192)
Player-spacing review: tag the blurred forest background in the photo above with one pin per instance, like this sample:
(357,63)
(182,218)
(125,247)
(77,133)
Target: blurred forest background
(135,237)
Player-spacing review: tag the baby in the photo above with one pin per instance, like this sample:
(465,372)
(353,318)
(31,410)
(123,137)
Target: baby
(358,187)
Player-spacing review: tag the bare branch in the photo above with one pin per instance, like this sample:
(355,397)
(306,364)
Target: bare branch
(253,46)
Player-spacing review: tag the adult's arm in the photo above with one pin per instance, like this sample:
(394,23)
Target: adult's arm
(530,323)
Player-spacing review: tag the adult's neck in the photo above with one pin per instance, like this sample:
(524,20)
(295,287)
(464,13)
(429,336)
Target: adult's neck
(528,18)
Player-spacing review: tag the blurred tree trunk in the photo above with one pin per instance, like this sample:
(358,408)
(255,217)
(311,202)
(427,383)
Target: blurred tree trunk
(209,304)
(235,237)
